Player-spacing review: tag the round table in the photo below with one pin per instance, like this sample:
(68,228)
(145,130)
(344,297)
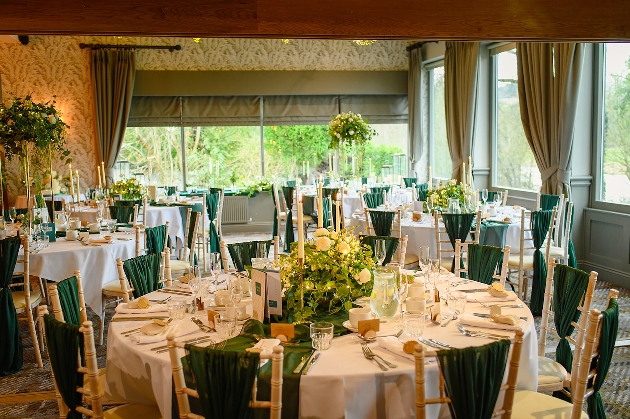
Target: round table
(342,383)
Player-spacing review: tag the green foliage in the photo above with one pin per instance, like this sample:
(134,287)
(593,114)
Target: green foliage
(286,147)
(128,188)
(450,189)
(349,129)
(617,125)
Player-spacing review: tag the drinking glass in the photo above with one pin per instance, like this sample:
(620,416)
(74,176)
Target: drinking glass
(403,288)
(321,335)
(381,251)
(261,250)
(429,202)
(195,285)
(215,267)
(176,309)
(236,291)
(425,258)
(484,196)
(413,324)
(224,325)
(111,224)
(12,214)
(498,199)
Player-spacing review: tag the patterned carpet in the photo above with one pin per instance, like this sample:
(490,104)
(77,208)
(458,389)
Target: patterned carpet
(615,392)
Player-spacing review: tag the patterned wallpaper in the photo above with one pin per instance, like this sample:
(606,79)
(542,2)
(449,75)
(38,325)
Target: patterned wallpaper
(54,65)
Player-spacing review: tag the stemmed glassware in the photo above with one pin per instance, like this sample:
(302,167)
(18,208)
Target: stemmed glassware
(380,248)
(215,268)
(195,287)
(100,209)
(403,288)
(498,199)
(236,291)
(12,214)
(484,196)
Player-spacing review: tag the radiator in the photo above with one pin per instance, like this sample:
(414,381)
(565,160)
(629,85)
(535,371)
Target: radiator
(235,210)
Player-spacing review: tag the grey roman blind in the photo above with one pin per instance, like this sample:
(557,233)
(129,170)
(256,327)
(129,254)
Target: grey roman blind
(152,111)
(377,109)
(221,110)
(299,110)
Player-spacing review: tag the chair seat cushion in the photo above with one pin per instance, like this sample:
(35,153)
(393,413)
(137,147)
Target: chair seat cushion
(133,411)
(528,261)
(549,371)
(556,251)
(113,286)
(529,404)
(179,265)
(19,299)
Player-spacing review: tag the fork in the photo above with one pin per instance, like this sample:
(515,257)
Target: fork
(162,301)
(502,306)
(367,353)
(477,333)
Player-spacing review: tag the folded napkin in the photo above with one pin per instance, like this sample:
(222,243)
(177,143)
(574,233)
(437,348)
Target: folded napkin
(484,297)
(393,345)
(181,285)
(474,321)
(123,308)
(266,347)
(178,328)
(126,229)
(101,240)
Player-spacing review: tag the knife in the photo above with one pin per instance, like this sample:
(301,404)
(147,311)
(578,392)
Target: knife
(194,342)
(310,364)
(137,319)
(304,360)
(487,316)
(474,290)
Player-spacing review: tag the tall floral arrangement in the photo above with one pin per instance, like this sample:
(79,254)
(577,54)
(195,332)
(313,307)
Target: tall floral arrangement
(349,129)
(337,271)
(450,189)
(128,188)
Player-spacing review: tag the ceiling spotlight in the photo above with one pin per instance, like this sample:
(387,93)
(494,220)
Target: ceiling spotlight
(363,42)
(196,40)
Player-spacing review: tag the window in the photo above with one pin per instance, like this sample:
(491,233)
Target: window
(441,164)
(516,167)
(616,124)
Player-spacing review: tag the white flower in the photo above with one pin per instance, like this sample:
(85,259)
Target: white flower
(343,248)
(364,276)
(321,232)
(358,115)
(52,119)
(338,135)
(351,132)
(322,244)
(333,235)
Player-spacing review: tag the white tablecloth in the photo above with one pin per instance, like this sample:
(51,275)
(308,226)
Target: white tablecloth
(342,383)
(96,263)
(157,216)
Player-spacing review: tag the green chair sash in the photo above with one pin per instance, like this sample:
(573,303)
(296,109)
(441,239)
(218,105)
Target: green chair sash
(194,218)
(212,206)
(390,246)
(409,181)
(156,238)
(291,183)
(422,194)
(547,202)
(289,236)
(379,189)
(493,233)
(472,377)
(569,287)
(123,214)
(373,200)
(457,227)
(68,291)
(212,190)
(144,273)
(242,253)
(11,350)
(330,191)
(608,336)
(58,208)
(483,262)
(310,208)
(540,226)
(64,342)
(224,380)
(382,222)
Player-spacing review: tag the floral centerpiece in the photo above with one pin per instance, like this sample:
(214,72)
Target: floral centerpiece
(130,189)
(254,188)
(451,189)
(337,271)
(349,129)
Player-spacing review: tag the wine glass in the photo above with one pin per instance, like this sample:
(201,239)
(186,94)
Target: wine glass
(498,199)
(215,267)
(99,217)
(195,285)
(484,196)
(12,214)
(403,288)
(424,257)
(236,291)
(381,251)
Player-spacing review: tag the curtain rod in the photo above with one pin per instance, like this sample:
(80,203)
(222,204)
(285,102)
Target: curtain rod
(171,48)
(419,45)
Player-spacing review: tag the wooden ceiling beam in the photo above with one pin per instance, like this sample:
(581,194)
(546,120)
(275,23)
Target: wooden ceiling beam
(583,20)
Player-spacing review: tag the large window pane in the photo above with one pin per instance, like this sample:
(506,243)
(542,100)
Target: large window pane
(222,156)
(616,168)
(516,167)
(388,148)
(442,166)
(154,151)
(291,150)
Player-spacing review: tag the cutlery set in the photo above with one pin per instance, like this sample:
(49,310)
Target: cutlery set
(368,354)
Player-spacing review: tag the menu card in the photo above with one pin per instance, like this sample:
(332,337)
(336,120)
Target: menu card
(259,285)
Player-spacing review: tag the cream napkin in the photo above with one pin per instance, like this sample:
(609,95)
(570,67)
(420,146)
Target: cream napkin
(181,285)
(484,297)
(474,321)
(101,240)
(123,308)
(266,346)
(393,345)
(179,328)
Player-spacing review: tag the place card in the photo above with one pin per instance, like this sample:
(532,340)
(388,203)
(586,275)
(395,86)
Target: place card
(435,313)
(52,235)
(284,329)
(259,285)
(364,326)
(274,294)
(211,314)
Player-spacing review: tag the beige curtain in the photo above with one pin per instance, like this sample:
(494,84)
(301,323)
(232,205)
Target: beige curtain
(414,87)
(113,77)
(460,97)
(548,102)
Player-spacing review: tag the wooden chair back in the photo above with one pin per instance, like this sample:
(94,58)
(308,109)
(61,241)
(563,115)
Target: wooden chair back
(125,284)
(509,387)
(182,392)
(462,248)
(56,303)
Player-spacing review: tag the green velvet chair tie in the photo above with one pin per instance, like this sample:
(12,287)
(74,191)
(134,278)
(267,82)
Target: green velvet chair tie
(483,262)
(65,342)
(194,219)
(547,202)
(224,380)
(382,222)
(472,377)
(608,336)
(11,350)
(409,181)
(373,200)
(330,192)
(457,227)
(289,236)
(156,238)
(143,272)
(540,226)
(422,194)
(391,244)
(212,206)
(242,253)
(123,214)
(379,189)
(68,291)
